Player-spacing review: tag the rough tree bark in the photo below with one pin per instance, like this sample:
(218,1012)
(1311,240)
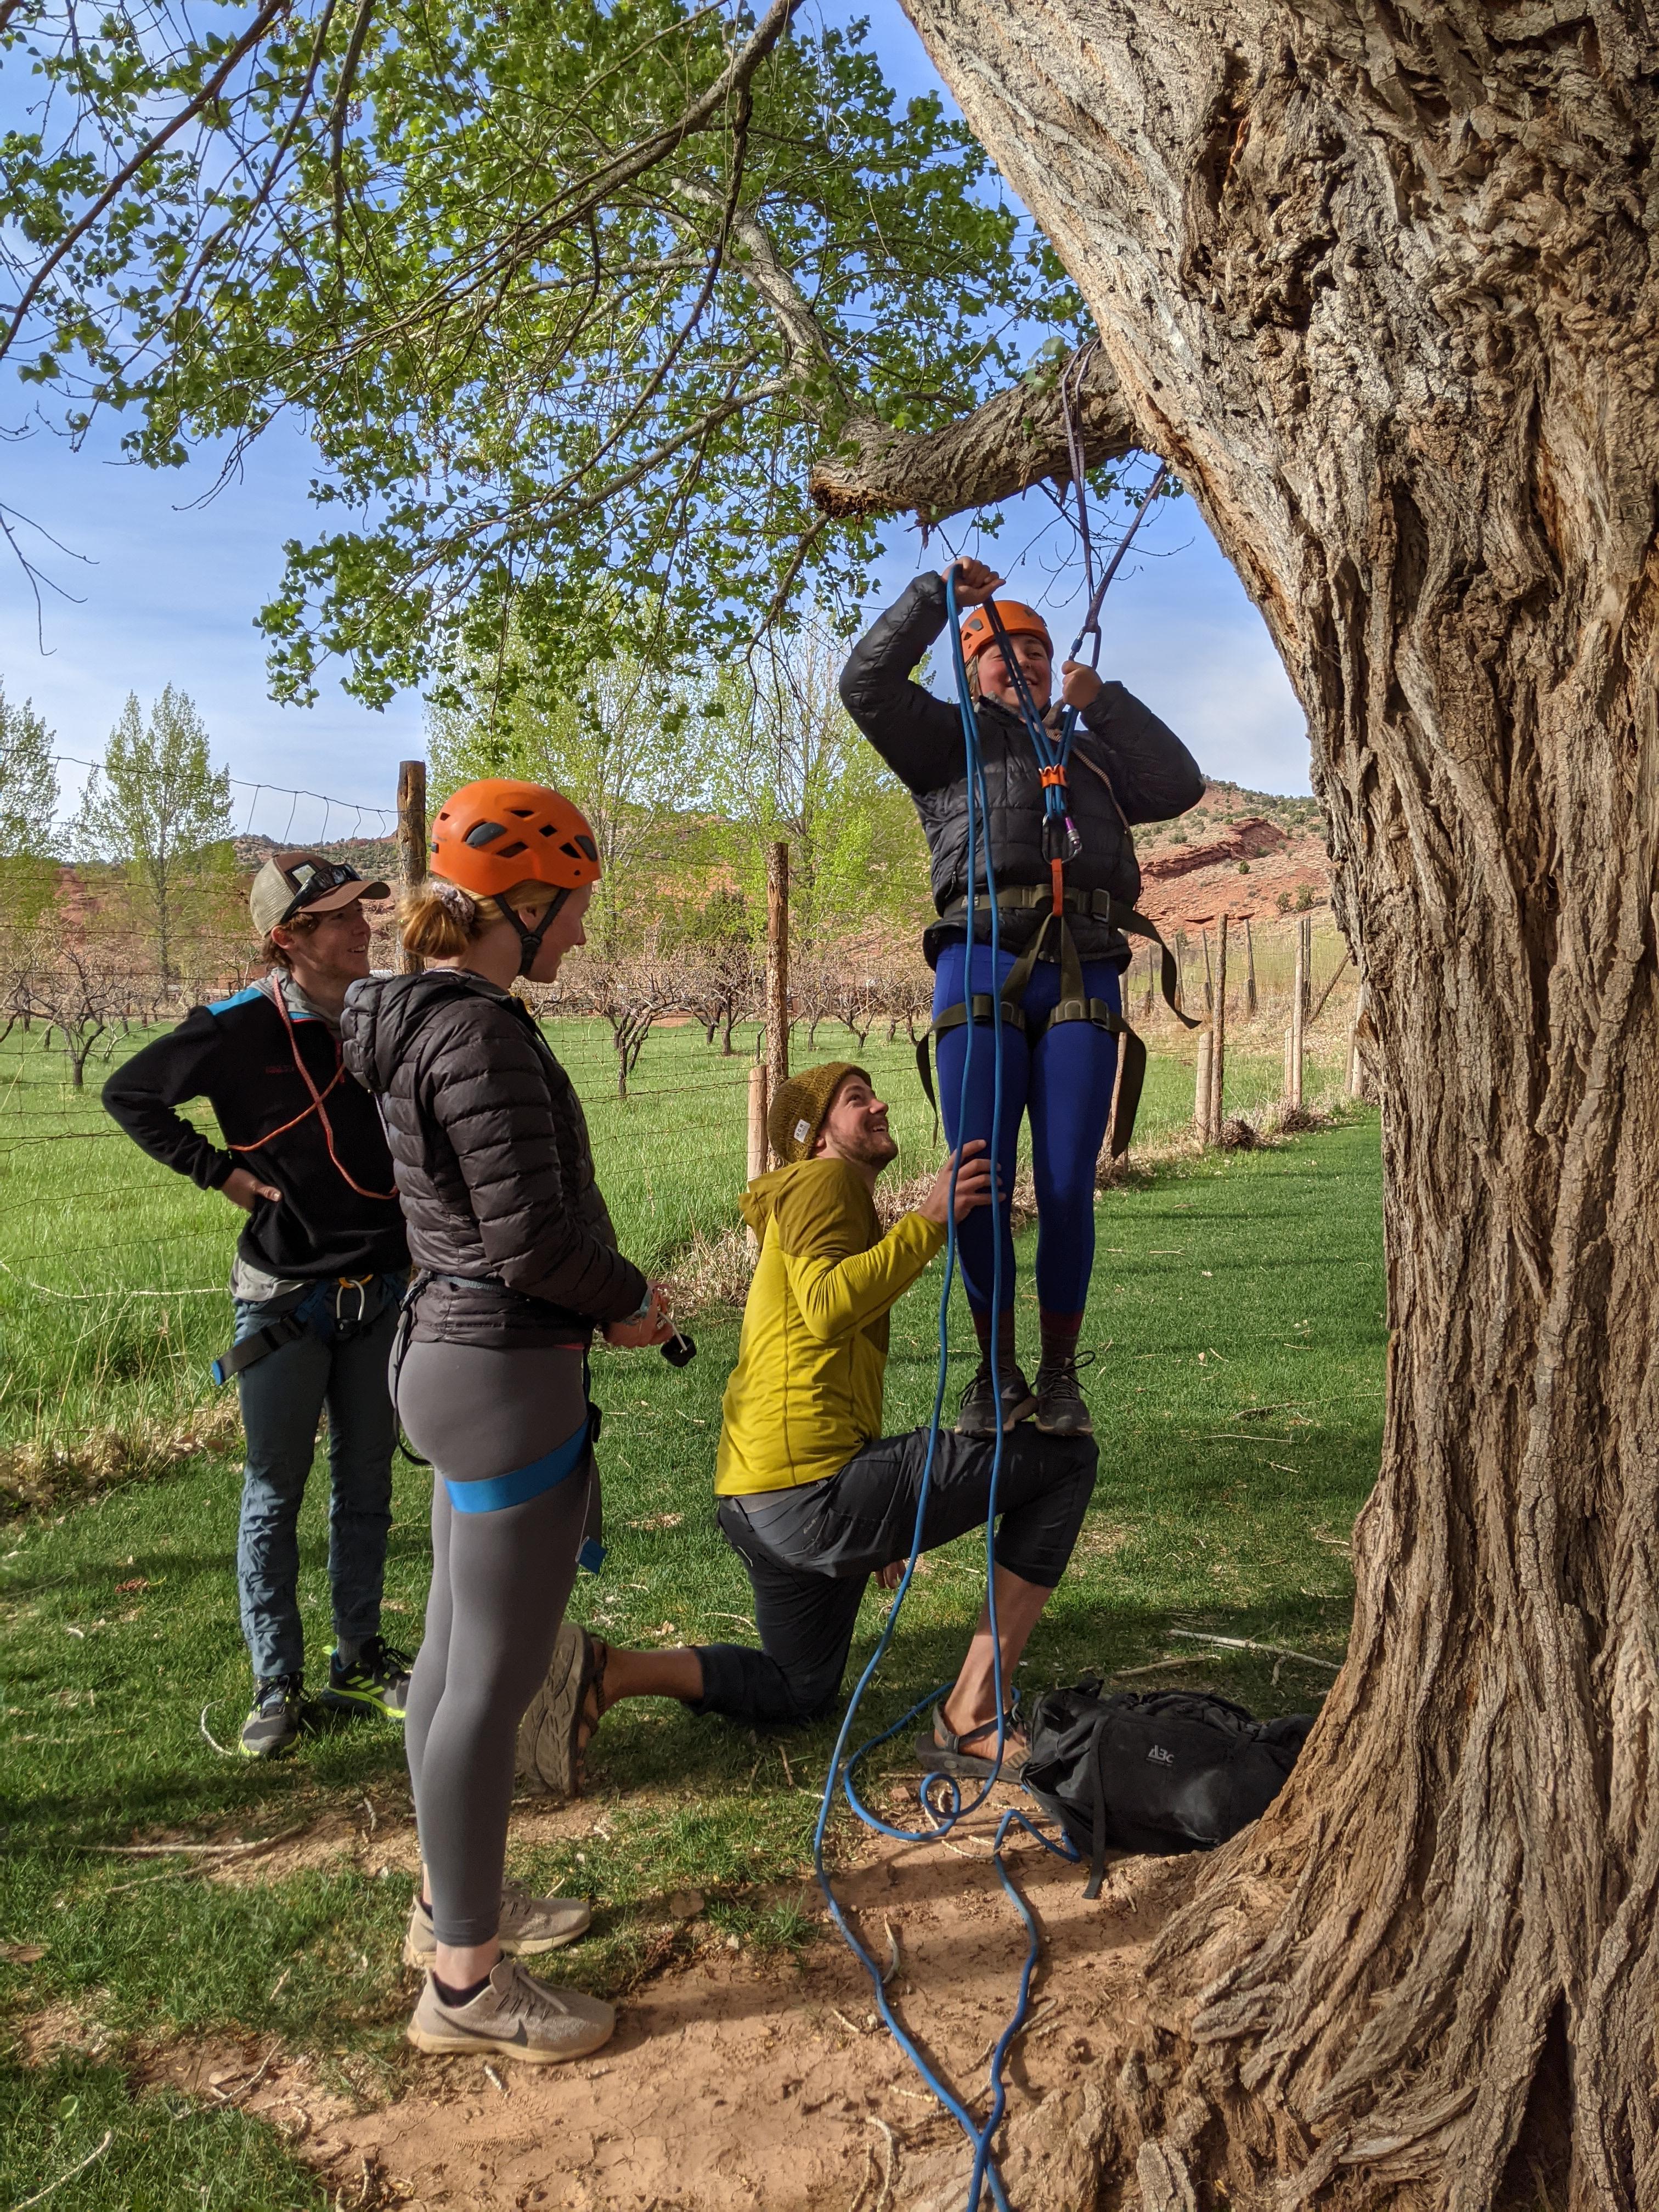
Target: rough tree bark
(1377,277)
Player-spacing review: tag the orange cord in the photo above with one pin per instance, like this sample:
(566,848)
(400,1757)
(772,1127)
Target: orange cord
(279,1000)
(1057,871)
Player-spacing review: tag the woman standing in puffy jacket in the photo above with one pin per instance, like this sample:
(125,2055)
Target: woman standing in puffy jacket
(517,1269)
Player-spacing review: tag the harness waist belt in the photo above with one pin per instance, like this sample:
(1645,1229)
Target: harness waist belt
(524,1483)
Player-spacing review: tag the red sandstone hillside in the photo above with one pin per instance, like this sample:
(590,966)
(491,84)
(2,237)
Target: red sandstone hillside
(1237,853)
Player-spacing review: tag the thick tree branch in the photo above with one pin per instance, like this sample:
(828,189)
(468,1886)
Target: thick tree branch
(1013,441)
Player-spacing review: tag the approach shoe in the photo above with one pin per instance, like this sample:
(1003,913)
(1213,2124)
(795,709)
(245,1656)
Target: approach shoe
(512,2016)
(273,1724)
(528,1924)
(377,1680)
(978,1415)
(1060,1409)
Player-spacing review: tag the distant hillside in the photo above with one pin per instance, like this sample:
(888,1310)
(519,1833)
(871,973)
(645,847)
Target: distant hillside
(1238,852)
(370,856)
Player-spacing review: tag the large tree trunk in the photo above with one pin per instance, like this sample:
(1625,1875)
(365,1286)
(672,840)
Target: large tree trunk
(1376,276)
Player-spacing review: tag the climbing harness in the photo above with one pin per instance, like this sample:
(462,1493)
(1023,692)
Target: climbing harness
(945,1815)
(300,1313)
(1060,843)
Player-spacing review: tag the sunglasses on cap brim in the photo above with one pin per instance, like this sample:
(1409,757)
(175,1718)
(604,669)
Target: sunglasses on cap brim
(316,881)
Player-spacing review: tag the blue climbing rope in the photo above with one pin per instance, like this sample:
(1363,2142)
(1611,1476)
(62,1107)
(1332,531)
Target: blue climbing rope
(944,1816)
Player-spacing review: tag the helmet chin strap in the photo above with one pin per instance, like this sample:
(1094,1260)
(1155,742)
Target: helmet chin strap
(530,940)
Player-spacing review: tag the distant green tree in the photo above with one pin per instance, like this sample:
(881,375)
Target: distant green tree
(29,780)
(28,805)
(623,744)
(157,805)
(788,764)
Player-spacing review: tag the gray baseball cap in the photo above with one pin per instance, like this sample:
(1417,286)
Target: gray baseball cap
(291,884)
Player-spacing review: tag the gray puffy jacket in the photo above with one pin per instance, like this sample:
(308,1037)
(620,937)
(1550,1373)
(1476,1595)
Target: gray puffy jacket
(1126,766)
(494,1168)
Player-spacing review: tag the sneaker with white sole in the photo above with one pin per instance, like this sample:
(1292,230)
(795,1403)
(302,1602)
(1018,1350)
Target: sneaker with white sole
(528,1925)
(512,2016)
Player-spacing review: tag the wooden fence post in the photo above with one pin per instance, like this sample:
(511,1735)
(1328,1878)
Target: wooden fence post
(1296,1035)
(1181,969)
(777,968)
(412,842)
(1209,981)
(1219,1032)
(757,1140)
(1201,1087)
(1249,972)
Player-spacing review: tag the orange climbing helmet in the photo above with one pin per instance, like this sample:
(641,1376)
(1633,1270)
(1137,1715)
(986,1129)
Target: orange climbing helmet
(1017,619)
(498,832)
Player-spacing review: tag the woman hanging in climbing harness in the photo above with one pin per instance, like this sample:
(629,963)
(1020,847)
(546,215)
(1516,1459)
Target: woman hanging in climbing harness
(1064,783)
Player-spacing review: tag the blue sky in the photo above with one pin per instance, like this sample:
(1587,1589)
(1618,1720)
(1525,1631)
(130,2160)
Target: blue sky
(157,589)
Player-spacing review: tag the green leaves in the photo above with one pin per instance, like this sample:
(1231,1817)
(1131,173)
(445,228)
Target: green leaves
(567,329)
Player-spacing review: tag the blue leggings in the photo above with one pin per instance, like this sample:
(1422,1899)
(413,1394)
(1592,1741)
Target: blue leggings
(1066,1086)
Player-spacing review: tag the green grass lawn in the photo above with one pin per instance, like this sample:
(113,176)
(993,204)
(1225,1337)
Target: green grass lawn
(1237,1320)
(113,1269)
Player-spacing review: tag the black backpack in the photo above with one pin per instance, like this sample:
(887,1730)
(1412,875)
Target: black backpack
(1157,1771)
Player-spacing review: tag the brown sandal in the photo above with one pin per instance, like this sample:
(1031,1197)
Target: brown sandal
(559,1724)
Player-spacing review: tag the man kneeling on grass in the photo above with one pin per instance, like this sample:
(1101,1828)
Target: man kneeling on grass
(813,1498)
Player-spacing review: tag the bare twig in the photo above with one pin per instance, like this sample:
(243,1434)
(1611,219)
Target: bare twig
(1249,1643)
(91,2159)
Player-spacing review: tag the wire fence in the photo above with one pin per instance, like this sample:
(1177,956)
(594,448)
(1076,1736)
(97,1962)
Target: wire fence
(115,1271)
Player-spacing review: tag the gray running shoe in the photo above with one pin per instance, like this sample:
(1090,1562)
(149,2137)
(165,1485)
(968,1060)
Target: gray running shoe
(977,1416)
(273,1724)
(1061,1410)
(528,1924)
(377,1680)
(514,2016)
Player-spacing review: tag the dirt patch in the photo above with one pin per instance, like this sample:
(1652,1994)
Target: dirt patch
(734,2083)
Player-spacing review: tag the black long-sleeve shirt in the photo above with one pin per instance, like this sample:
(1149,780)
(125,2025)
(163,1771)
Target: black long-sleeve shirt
(238,1055)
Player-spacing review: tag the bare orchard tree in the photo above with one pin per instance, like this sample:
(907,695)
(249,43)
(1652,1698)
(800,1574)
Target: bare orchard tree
(70,988)
(1383,283)
(630,992)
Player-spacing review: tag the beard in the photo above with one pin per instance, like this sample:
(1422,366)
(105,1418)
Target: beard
(872,1148)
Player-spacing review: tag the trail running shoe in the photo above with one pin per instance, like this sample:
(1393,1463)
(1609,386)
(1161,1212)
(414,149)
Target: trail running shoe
(528,1924)
(377,1678)
(273,1724)
(512,2016)
(551,1738)
(977,1415)
(1061,1409)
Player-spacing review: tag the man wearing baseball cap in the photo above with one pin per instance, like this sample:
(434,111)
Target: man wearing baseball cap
(813,1498)
(320,1269)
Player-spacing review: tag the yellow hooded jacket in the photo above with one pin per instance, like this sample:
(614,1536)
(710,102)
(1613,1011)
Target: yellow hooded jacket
(805,1393)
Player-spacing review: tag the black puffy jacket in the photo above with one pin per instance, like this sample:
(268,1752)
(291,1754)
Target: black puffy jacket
(1126,766)
(493,1166)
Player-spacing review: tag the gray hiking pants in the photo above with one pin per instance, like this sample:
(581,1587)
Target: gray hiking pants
(501,1575)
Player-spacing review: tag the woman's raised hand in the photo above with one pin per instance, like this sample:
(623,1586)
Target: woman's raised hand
(974,582)
(653,1327)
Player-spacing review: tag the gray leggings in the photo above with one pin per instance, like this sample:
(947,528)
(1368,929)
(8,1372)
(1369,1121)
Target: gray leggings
(499,1583)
